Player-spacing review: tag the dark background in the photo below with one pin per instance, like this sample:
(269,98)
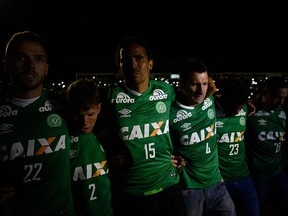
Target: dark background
(229,36)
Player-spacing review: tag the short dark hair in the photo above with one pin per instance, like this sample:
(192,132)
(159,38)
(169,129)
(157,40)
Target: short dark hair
(82,94)
(19,37)
(126,41)
(190,65)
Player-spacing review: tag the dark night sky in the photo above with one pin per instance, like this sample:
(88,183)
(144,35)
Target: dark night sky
(229,36)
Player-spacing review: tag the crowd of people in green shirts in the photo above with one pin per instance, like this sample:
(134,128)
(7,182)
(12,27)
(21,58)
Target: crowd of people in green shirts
(142,147)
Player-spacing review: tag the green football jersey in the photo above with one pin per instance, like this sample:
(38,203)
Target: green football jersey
(141,124)
(34,157)
(265,140)
(193,134)
(231,146)
(90,181)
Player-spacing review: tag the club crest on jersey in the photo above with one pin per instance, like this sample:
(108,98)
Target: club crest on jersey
(123,98)
(242,121)
(211,113)
(158,94)
(6,111)
(54,120)
(161,107)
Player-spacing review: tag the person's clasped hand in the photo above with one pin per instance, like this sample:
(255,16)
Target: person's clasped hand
(6,193)
(178,161)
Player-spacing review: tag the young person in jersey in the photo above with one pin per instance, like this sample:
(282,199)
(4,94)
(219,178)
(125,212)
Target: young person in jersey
(231,112)
(89,170)
(265,140)
(193,133)
(34,139)
(138,116)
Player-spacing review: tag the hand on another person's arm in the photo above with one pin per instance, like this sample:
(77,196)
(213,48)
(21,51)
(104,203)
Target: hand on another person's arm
(178,161)
(6,193)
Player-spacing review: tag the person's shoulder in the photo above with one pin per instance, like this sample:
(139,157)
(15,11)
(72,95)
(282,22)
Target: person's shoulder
(115,87)
(56,100)
(163,88)
(108,91)
(158,82)
(217,101)
(5,93)
(211,97)
(161,84)
(55,96)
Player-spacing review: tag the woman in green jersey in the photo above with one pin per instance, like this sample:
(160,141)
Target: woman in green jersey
(89,169)
(34,140)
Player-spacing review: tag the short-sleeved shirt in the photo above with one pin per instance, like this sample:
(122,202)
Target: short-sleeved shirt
(139,125)
(34,156)
(193,134)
